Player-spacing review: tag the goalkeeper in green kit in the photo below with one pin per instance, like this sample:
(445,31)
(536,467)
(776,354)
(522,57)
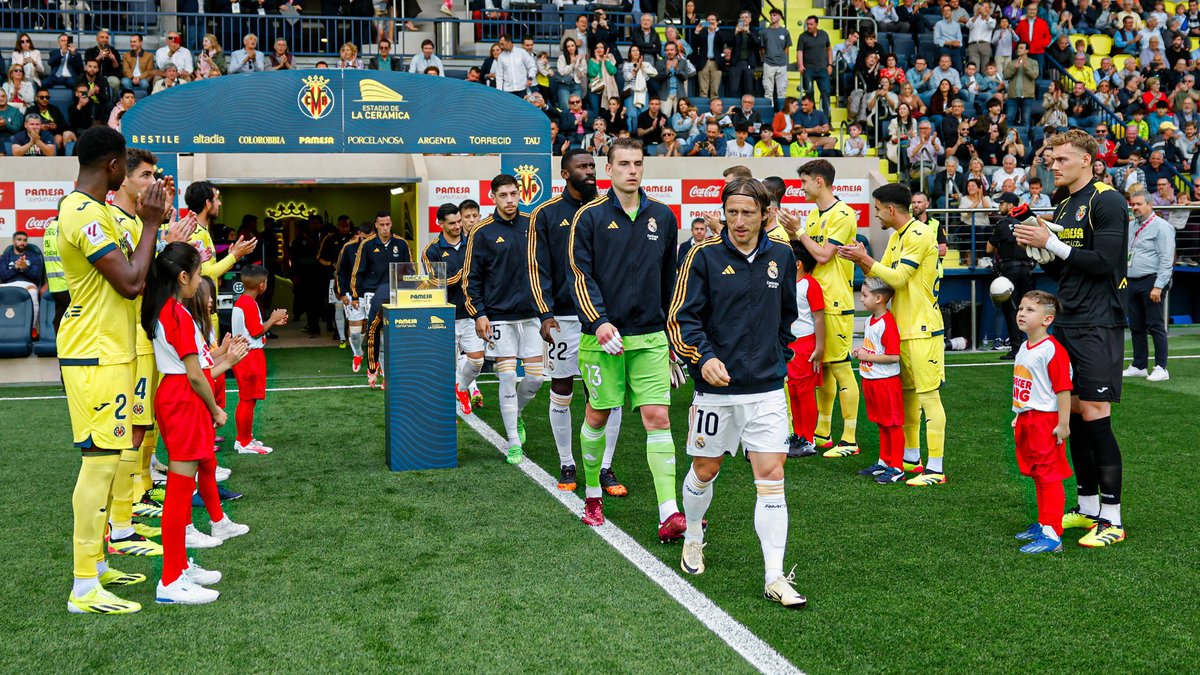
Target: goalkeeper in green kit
(622,253)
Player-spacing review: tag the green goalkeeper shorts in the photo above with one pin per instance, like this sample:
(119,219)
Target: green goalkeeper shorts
(643,371)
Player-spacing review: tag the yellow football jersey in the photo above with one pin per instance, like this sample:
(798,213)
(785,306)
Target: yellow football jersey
(910,266)
(212,268)
(133,226)
(839,226)
(97,328)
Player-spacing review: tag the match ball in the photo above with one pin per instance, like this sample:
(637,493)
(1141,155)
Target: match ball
(1001,289)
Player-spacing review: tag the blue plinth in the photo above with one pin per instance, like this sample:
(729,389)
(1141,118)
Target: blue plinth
(420,406)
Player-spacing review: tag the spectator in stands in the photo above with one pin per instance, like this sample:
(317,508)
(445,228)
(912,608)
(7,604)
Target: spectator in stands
(1080,71)
(25,55)
(815,123)
(425,59)
(959,143)
(1106,73)
(637,74)
(174,52)
(571,73)
(887,20)
(1153,94)
(674,71)
(1033,32)
(947,34)
(169,79)
(650,124)
(83,113)
(1010,171)
(777,41)
(939,103)
(855,144)
(1037,198)
(1055,103)
(746,113)
(784,124)
(516,70)
(601,32)
(980,27)
(845,57)
(711,145)
(990,147)
(646,37)
(1160,116)
(1186,145)
(11,119)
(1157,170)
(137,66)
(53,120)
(558,142)
(891,70)
(488,67)
(125,101)
(615,116)
(909,97)
(881,105)
(739,146)
(281,58)
(975,170)
(1004,40)
(768,146)
(1020,77)
(745,45)
(249,60)
(1131,142)
(97,86)
(66,65)
(949,185)
(1060,52)
(707,45)
(1126,40)
(579,34)
(951,122)
(575,121)
(32,141)
(210,58)
(348,57)
(20,91)
(1107,96)
(901,130)
(22,266)
(539,102)
(975,198)
(107,57)
(1165,195)
(598,141)
(921,78)
(716,113)
(924,151)
(1184,99)
(474,75)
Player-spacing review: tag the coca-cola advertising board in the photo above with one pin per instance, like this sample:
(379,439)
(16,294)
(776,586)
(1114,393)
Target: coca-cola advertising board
(29,205)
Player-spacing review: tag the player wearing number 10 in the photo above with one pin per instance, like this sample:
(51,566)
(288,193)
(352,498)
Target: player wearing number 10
(731,321)
(623,259)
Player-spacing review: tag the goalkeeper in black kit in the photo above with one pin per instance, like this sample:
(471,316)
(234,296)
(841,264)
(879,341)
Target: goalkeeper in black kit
(1089,264)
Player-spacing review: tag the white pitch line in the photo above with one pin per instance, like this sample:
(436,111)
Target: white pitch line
(752,648)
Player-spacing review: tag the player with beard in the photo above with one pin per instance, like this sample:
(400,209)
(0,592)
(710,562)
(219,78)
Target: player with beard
(1090,259)
(550,278)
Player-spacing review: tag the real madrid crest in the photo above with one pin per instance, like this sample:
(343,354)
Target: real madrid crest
(699,441)
(1081,212)
(773,270)
(652,225)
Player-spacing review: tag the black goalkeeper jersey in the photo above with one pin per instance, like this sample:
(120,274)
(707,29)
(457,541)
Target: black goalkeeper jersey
(1095,223)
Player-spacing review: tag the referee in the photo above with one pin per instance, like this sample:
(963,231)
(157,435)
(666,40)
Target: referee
(1090,267)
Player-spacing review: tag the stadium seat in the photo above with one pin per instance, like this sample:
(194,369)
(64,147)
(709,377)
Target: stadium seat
(1119,60)
(1076,37)
(1101,44)
(62,98)
(905,49)
(16,322)
(1096,61)
(47,342)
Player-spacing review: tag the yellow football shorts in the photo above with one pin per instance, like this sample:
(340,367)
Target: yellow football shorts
(839,333)
(145,383)
(922,364)
(100,400)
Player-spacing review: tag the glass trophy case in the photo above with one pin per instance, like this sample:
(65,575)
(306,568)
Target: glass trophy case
(417,285)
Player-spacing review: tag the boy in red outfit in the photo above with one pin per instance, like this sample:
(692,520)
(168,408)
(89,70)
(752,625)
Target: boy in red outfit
(879,364)
(804,370)
(1042,401)
(251,372)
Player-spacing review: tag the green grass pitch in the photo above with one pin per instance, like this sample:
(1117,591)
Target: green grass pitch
(351,568)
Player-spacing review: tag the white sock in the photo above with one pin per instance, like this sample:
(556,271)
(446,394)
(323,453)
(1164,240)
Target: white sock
(82,587)
(507,374)
(934,464)
(612,431)
(356,339)
(1089,505)
(912,455)
(771,523)
(560,425)
(529,386)
(101,568)
(667,509)
(339,320)
(468,370)
(697,496)
(1111,513)
(114,533)
(1049,532)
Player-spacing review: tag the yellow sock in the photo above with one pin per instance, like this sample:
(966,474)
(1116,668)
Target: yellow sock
(825,395)
(92,490)
(123,485)
(848,398)
(935,427)
(912,419)
(144,484)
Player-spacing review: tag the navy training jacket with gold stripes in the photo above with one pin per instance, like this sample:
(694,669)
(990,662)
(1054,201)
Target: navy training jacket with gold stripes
(736,308)
(496,270)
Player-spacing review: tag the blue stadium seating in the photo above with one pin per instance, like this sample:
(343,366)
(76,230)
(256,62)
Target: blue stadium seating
(16,322)
(47,342)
